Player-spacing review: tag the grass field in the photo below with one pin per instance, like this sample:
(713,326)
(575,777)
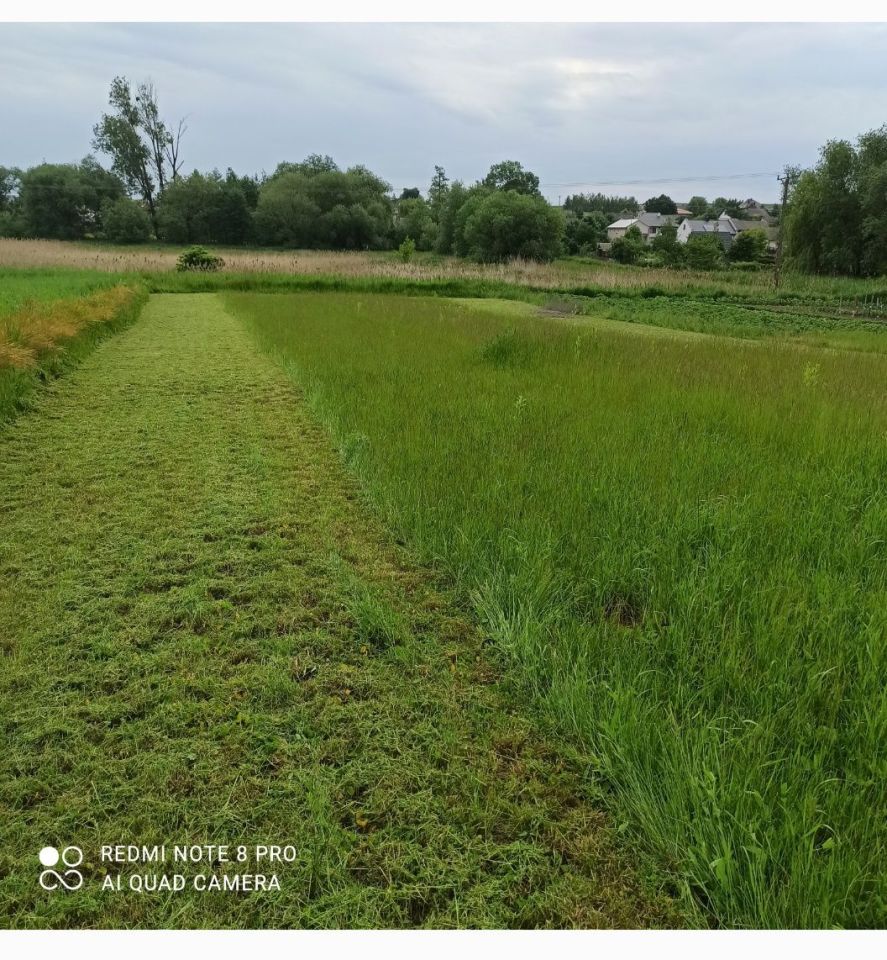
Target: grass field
(609,654)
(206,639)
(678,542)
(19,287)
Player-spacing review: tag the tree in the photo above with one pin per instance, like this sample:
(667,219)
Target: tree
(64,201)
(450,207)
(412,218)
(704,252)
(583,233)
(204,208)
(248,186)
(661,204)
(697,206)
(124,220)
(410,193)
(719,205)
(285,214)
(580,203)
(507,224)
(302,206)
(437,192)
(144,151)
(510,175)
(312,165)
(628,248)
(750,246)
(470,203)
(824,226)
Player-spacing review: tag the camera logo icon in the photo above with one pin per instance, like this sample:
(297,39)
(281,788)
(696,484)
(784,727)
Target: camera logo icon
(70,878)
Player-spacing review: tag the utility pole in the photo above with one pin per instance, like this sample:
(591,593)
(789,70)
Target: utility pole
(785,179)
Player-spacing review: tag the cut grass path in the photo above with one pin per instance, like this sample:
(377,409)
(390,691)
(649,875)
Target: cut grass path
(206,639)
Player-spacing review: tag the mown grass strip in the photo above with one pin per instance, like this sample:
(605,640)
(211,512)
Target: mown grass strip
(205,638)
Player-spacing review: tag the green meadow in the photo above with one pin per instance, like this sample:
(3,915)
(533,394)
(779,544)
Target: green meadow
(675,540)
(507,606)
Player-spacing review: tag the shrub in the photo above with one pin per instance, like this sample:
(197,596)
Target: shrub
(407,249)
(665,245)
(199,258)
(628,249)
(750,246)
(704,252)
(126,221)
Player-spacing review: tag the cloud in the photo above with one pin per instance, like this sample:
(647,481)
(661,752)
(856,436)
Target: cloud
(574,102)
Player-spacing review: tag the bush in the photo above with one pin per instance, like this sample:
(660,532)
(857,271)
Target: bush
(665,245)
(199,258)
(126,221)
(407,249)
(704,252)
(749,247)
(628,249)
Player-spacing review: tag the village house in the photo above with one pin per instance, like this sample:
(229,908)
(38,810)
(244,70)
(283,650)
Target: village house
(725,228)
(649,225)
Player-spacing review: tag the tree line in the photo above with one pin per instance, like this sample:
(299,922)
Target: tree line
(309,204)
(836,220)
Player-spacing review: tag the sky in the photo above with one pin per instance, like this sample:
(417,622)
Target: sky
(622,108)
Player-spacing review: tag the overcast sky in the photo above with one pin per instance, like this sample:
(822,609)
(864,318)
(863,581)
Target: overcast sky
(583,105)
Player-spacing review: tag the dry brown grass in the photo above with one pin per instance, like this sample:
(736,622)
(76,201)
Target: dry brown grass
(558,275)
(36,327)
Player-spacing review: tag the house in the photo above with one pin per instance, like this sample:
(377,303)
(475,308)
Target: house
(752,210)
(725,228)
(649,224)
(619,228)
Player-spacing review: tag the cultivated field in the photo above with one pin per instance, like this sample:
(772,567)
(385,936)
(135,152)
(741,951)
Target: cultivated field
(548,611)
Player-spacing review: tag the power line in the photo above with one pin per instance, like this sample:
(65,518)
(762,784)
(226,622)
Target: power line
(641,182)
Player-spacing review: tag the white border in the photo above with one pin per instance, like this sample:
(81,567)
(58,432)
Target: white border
(465,11)
(444,945)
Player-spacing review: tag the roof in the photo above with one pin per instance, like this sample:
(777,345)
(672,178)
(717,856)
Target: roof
(703,226)
(655,219)
(622,224)
(750,225)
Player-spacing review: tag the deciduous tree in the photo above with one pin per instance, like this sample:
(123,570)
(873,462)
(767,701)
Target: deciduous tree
(144,151)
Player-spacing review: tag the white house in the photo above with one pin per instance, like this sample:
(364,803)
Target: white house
(649,225)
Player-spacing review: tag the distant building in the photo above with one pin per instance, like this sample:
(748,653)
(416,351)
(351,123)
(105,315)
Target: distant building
(752,210)
(649,224)
(725,228)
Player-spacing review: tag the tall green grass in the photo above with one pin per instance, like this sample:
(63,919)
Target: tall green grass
(19,287)
(679,542)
